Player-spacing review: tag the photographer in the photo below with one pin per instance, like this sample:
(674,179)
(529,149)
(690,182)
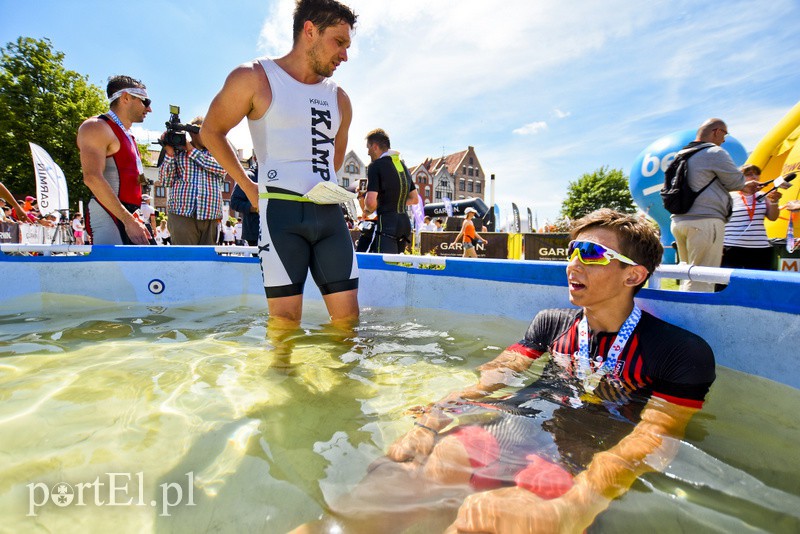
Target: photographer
(195,181)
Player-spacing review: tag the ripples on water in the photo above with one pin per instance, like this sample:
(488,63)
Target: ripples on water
(271,427)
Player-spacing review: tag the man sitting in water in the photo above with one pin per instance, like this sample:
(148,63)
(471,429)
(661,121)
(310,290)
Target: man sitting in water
(614,390)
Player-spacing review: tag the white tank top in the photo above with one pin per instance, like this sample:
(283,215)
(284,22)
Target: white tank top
(293,141)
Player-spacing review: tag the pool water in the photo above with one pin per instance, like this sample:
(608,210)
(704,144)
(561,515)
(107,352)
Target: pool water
(196,419)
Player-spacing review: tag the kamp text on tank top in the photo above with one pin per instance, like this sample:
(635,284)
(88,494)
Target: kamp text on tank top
(293,141)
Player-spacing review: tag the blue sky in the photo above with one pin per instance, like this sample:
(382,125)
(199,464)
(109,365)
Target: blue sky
(544,90)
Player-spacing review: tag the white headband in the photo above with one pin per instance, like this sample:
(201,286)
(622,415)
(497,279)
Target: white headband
(130,90)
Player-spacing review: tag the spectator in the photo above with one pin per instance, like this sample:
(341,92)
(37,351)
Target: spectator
(427,225)
(439,225)
(112,166)
(228,233)
(163,236)
(237,231)
(148,214)
(241,204)
(195,180)
(14,211)
(389,190)
(29,202)
(77,228)
(468,234)
(746,244)
(700,232)
(610,402)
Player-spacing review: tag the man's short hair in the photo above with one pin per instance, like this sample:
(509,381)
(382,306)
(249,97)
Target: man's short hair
(750,168)
(322,13)
(637,236)
(379,136)
(116,83)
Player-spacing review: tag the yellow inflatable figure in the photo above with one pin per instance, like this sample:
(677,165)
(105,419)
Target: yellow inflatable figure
(778,154)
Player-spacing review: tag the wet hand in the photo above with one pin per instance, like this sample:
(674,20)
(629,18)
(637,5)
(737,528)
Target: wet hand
(416,444)
(515,511)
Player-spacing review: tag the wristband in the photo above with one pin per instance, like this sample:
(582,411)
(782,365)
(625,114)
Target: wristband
(435,433)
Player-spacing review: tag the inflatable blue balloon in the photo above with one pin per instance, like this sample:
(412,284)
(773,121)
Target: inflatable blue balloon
(647,178)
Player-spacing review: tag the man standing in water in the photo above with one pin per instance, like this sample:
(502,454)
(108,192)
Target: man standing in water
(616,388)
(299,120)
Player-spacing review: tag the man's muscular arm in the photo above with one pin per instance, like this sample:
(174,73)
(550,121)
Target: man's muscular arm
(96,142)
(340,141)
(419,441)
(241,96)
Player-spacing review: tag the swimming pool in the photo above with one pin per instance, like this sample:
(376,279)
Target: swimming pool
(157,401)
(200,422)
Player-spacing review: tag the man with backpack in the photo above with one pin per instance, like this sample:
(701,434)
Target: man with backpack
(700,231)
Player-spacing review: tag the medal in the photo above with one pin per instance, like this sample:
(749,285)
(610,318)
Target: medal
(584,372)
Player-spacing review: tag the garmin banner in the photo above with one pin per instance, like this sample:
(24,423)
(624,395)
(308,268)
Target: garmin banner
(515,211)
(441,244)
(9,232)
(546,247)
(51,185)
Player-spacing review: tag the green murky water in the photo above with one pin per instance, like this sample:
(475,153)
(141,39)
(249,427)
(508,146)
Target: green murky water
(137,419)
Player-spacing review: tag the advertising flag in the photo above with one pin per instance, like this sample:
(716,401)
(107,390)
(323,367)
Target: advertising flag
(530,221)
(51,185)
(418,210)
(448,206)
(515,211)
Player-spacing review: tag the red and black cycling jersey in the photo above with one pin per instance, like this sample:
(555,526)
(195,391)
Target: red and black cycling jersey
(660,359)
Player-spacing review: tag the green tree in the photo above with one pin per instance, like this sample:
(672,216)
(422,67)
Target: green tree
(603,188)
(44,103)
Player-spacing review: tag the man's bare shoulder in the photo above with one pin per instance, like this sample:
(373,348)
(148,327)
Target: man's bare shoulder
(94,129)
(250,72)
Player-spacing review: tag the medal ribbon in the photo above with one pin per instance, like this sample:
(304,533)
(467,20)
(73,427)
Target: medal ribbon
(118,122)
(751,210)
(584,370)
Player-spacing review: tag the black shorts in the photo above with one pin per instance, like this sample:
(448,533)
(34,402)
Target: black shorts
(393,234)
(298,236)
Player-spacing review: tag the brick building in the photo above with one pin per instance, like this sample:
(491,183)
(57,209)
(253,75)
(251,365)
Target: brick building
(456,176)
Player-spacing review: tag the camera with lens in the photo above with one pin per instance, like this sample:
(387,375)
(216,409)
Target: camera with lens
(147,184)
(175,136)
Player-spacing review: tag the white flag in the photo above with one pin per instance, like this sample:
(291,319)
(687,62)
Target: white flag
(51,185)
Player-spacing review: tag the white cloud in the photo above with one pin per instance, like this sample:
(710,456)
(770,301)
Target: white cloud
(531,128)
(442,75)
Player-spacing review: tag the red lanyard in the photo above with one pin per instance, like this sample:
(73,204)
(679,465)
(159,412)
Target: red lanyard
(751,210)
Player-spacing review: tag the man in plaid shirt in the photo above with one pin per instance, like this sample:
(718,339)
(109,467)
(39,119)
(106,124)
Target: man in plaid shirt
(195,180)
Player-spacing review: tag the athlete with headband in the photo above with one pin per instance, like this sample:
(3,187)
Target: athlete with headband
(112,167)
(608,391)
